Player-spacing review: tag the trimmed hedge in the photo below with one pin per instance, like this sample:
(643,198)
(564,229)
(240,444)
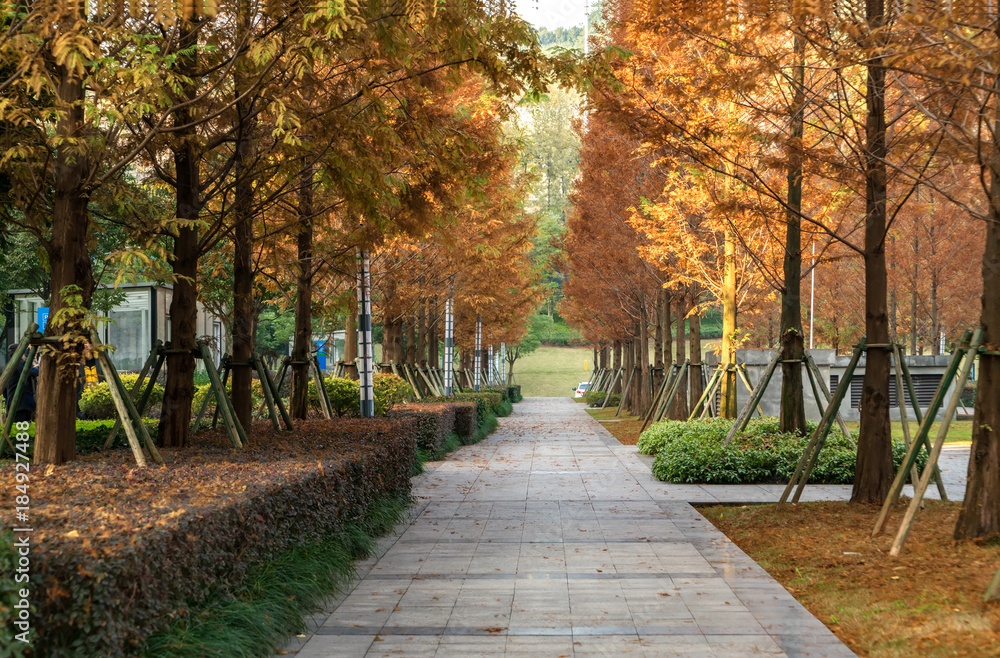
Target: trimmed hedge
(466,419)
(434,422)
(514,393)
(121,553)
(692,452)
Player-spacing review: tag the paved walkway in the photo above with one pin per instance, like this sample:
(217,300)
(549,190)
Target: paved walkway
(552,539)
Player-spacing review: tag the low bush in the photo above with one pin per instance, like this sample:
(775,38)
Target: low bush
(434,422)
(390,390)
(514,393)
(596,399)
(96,402)
(163,541)
(692,452)
(345,394)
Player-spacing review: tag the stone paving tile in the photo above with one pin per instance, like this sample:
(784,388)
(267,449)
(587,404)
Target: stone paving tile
(551,539)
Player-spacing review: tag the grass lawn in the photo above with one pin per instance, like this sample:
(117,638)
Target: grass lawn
(960,431)
(926,602)
(553,372)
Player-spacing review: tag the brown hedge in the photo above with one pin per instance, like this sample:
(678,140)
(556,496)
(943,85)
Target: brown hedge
(435,421)
(119,552)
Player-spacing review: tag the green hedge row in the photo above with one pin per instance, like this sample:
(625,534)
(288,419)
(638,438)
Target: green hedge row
(121,553)
(692,452)
(345,394)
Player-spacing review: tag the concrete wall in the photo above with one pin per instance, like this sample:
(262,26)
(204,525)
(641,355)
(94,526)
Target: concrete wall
(829,363)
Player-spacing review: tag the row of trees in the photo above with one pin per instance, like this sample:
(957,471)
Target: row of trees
(770,128)
(245,152)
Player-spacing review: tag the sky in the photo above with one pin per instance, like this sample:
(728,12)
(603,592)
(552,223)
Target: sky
(552,13)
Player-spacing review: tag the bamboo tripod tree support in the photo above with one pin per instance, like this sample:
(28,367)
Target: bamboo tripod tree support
(154,362)
(22,382)
(807,461)
(135,429)
(223,406)
(668,392)
(820,393)
(625,391)
(958,371)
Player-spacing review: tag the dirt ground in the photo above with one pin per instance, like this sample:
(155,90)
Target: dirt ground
(926,602)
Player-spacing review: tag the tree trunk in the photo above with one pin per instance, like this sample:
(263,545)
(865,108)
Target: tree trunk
(411,340)
(680,408)
(935,320)
(617,353)
(422,333)
(69,258)
(980,514)
(434,355)
(243,338)
(645,381)
(303,300)
(696,382)
(658,343)
(913,295)
(175,419)
(668,336)
(351,342)
(792,416)
(874,470)
(398,353)
(728,405)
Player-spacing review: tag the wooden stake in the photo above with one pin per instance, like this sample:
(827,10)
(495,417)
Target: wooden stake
(708,392)
(152,359)
(16,399)
(756,394)
(921,439)
(625,391)
(813,369)
(808,459)
(925,477)
(222,405)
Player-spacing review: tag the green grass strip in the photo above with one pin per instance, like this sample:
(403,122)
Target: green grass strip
(277,596)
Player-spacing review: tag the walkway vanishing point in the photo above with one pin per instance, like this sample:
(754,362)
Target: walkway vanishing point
(552,539)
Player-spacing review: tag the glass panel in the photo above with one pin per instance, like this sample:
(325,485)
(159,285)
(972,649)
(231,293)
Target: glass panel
(130,335)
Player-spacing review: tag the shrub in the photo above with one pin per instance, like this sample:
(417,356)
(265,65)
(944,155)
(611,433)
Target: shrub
(514,393)
(96,402)
(596,399)
(692,452)
(435,421)
(177,535)
(390,390)
(344,394)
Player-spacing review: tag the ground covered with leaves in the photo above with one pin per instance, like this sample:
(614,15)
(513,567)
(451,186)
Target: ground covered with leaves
(926,602)
(625,428)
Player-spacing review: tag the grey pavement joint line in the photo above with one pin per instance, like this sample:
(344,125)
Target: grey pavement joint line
(550,538)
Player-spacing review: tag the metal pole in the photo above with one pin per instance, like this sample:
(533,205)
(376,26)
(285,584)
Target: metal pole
(503,364)
(449,347)
(479,354)
(366,356)
(491,369)
(812,296)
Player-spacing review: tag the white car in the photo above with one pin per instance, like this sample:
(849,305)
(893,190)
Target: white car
(581,389)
